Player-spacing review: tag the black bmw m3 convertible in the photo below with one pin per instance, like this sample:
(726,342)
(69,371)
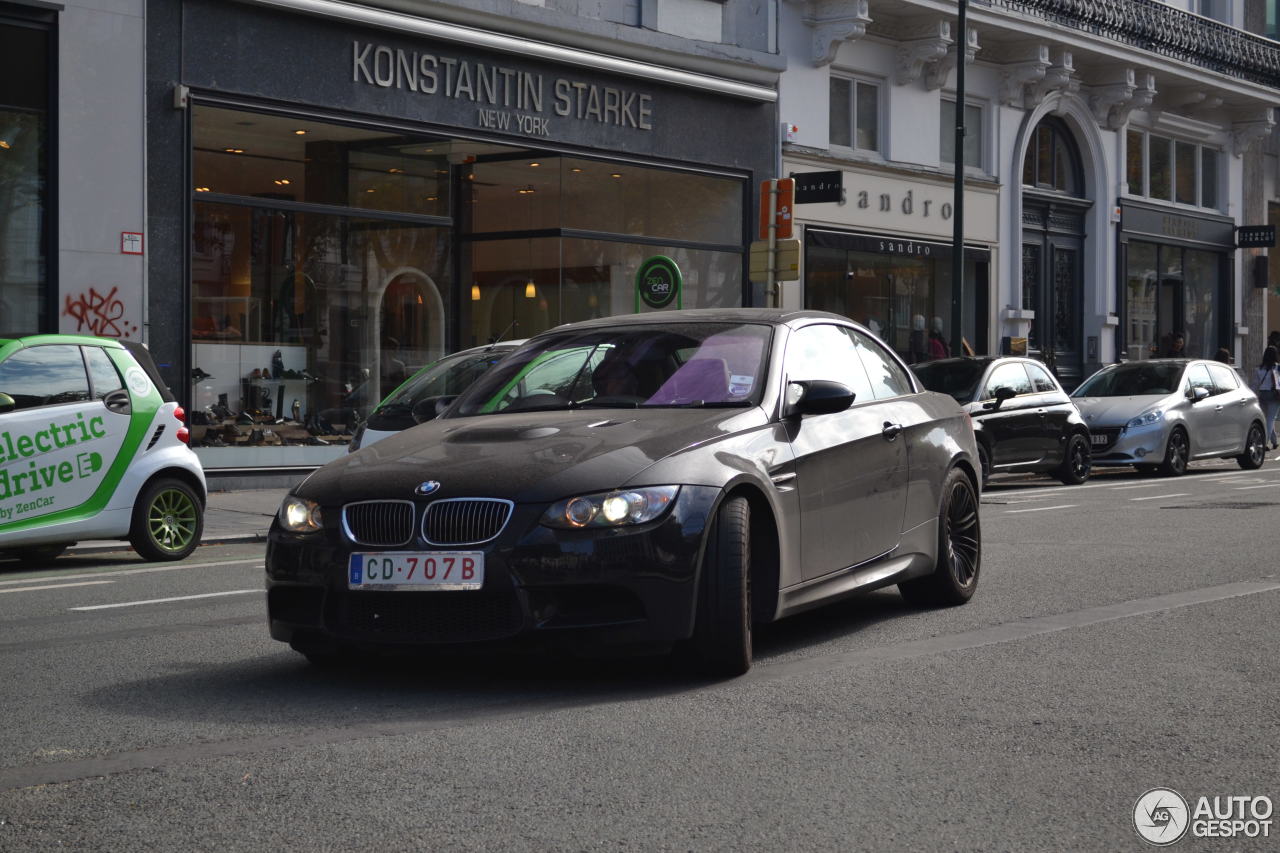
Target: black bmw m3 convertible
(653,482)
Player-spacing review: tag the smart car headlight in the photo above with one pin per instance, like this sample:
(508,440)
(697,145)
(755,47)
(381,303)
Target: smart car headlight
(1145,419)
(611,509)
(299,515)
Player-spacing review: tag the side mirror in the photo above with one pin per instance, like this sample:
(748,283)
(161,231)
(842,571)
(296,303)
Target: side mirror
(817,397)
(1003,393)
(430,408)
(7,403)
(1197,393)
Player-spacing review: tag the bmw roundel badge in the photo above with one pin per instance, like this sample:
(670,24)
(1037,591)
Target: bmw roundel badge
(427,488)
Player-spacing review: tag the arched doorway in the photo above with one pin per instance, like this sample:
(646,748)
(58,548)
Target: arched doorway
(1054,205)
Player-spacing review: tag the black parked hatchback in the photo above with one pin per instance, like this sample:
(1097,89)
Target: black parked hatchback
(1023,419)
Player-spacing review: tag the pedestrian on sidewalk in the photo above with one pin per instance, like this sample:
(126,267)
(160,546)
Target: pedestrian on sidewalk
(1266,384)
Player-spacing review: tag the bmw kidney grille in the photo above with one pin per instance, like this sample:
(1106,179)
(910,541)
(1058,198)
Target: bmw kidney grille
(451,522)
(383,523)
(465,521)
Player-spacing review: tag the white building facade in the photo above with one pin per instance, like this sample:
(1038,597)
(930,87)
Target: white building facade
(1103,167)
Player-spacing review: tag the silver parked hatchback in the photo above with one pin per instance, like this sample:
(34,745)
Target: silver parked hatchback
(1163,413)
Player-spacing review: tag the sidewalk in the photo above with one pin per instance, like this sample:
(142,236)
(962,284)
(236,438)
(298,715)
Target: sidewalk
(240,516)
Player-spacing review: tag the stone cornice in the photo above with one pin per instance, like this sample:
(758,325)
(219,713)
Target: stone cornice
(832,22)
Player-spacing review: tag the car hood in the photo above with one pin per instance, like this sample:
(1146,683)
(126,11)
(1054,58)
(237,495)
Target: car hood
(527,457)
(1118,411)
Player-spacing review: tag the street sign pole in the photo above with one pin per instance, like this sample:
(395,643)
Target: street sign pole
(957,235)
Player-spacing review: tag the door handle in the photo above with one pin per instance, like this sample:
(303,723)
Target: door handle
(118,401)
(1217,408)
(891,430)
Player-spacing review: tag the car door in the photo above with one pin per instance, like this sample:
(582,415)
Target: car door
(1203,417)
(59,441)
(1055,409)
(1013,427)
(850,473)
(1235,402)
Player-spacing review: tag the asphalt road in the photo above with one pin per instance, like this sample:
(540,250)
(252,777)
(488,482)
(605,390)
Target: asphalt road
(1123,638)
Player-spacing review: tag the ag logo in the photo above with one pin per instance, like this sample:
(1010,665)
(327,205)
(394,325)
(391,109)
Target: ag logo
(1161,816)
(429,487)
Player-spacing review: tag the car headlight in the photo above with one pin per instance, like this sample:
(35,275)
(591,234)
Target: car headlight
(611,509)
(1145,419)
(299,515)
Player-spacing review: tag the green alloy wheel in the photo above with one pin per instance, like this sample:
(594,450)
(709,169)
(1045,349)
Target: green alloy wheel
(167,521)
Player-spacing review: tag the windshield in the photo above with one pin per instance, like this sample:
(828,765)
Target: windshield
(1133,380)
(686,364)
(957,378)
(449,376)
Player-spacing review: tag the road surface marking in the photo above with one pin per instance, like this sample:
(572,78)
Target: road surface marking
(1264,486)
(1038,509)
(52,586)
(150,759)
(167,600)
(1139,486)
(147,570)
(1161,497)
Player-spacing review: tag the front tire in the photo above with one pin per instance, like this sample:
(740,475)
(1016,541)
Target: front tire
(721,643)
(1176,453)
(955,577)
(167,521)
(1255,449)
(1077,462)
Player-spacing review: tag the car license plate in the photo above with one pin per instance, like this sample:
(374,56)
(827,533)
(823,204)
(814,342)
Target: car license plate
(1100,439)
(429,570)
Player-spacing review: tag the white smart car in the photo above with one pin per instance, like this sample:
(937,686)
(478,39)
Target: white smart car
(93,446)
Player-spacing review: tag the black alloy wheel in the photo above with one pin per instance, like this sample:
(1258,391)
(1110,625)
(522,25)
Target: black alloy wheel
(1077,463)
(1176,454)
(721,644)
(955,577)
(1255,449)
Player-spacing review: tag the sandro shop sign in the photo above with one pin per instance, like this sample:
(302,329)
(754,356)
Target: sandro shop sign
(506,99)
(887,203)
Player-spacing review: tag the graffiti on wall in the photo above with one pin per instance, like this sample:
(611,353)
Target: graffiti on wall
(100,314)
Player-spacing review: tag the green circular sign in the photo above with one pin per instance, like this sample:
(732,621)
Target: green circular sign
(658,281)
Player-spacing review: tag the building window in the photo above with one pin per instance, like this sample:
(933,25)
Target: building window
(855,114)
(1050,162)
(972,134)
(1218,10)
(24,176)
(1172,170)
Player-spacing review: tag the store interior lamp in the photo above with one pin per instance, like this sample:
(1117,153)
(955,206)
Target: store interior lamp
(530,291)
(475,293)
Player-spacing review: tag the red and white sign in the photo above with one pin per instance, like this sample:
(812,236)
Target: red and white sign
(131,242)
(786,200)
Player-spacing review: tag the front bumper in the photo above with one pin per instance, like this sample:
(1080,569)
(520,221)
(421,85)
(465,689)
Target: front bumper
(628,586)
(1143,445)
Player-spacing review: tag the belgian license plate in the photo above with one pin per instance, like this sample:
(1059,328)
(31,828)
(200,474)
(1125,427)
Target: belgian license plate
(1100,439)
(412,570)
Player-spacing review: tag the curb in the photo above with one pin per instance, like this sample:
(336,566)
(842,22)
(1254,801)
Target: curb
(109,547)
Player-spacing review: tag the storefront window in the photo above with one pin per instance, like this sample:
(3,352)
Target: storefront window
(289,159)
(899,295)
(302,321)
(323,268)
(533,192)
(24,201)
(1171,291)
(522,287)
